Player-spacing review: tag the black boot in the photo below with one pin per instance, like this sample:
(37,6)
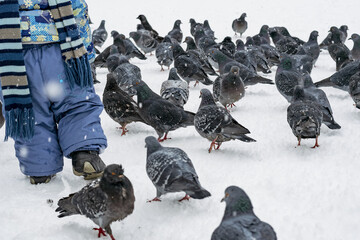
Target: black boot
(87,164)
(41,179)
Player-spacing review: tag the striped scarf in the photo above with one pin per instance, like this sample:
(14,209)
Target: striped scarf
(19,114)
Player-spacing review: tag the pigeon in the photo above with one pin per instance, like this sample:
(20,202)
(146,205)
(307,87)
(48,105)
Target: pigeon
(228,44)
(229,88)
(338,51)
(303,62)
(144,41)
(188,67)
(119,105)
(304,117)
(264,33)
(113,60)
(239,221)
(148,27)
(171,170)
(175,89)
(160,113)
(284,44)
(216,124)
(104,201)
(355,51)
(283,31)
(176,32)
(99,35)
(354,89)
(2,118)
(208,31)
(249,77)
(287,77)
(344,33)
(257,56)
(127,47)
(341,78)
(164,53)
(196,53)
(240,25)
(317,95)
(271,53)
(311,47)
(243,57)
(127,75)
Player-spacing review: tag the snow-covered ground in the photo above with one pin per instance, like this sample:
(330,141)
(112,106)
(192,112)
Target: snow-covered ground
(303,193)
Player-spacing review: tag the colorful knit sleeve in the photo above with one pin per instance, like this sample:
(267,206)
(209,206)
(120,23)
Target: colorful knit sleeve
(82,19)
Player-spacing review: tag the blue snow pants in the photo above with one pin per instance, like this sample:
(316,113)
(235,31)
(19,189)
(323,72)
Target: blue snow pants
(66,120)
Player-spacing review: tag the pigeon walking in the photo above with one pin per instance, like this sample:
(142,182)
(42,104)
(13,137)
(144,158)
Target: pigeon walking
(175,89)
(104,201)
(160,113)
(304,117)
(229,88)
(239,221)
(216,124)
(171,170)
(119,105)
(240,25)
(99,35)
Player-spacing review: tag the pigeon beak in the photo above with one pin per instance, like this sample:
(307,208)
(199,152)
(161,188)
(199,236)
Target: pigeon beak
(226,196)
(121,176)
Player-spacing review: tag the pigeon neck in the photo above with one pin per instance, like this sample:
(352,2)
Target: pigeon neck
(173,76)
(111,84)
(135,36)
(113,190)
(238,208)
(102,24)
(221,58)
(153,148)
(145,93)
(207,100)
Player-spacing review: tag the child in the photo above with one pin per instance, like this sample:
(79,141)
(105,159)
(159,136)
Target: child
(51,108)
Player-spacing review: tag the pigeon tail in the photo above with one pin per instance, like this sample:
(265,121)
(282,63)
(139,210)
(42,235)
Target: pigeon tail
(332,125)
(241,137)
(325,83)
(66,208)
(206,81)
(190,118)
(258,79)
(200,194)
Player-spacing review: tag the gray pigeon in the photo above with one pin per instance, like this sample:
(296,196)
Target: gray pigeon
(344,34)
(216,124)
(239,221)
(264,33)
(283,31)
(240,25)
(164,53)
(317,95)
(188,67)
(113,60)
(99,35)
(160,113)
(326,42)
(127,47)
(338,51)
(176,32)
(119,105)
(284,44)
(104,201)
(354,89)
(208,31)
(311,47)
(175,89)
(355,51)
(229,88)
(257,56)
(249,76)
(304,117)
(171,170)
(271,53)
(144,41)
(127,75)
(341,78)
(194,26)
(228,45)
(287,77)
(2,119)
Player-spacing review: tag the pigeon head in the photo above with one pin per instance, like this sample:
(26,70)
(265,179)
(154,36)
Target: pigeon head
(206,24)
(264,29)
(178,50)
(140,27)
(114,33)
(141,17)
(113,173)
(240,45)
(249,41)
(237,202)
(344,28)
(243,16)
(173,74)
(102,24)
(227,39)
(114,181)
(111,84)
(287,63)
(356,39)
(257,40)
(235,70)
(177,23)
(152,145)
(206,97)
(134,35)
(313,36)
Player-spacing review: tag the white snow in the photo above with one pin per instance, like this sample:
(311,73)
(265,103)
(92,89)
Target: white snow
(303,193)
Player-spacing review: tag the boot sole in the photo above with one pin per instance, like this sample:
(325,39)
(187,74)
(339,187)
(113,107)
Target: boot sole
(89,172)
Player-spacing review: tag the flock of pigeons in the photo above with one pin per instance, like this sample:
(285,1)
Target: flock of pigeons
(236,66)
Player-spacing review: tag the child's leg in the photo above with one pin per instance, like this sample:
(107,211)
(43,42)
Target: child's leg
(42,155)
(76,110)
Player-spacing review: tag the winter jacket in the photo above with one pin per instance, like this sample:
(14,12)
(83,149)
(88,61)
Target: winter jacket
(37,24)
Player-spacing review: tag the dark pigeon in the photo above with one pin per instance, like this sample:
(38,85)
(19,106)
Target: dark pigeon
(189,68)
(99,35)
(100,60)
(270,52)
(104,201)
(208,31)
(287,77)
(127,75)
(119,105)
(257,56)
(341,78)
(176,32)
(243,57)
(228,44)
(216,124)
(249,76)
(196,53)
(148,27)
(164,53)
(264,33)
(144,41)
(317,95)
(229,88)
(171,170)
(240,25)
(194,26)
(338,51)
(354,89)
(344,33)
(175,89)
(113,60)
(160,113)
(326,42)
(284,44)
(127,47)
(304,117)
(355,51)
(239,221)
(283,31)
(303,62)
(311,47)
